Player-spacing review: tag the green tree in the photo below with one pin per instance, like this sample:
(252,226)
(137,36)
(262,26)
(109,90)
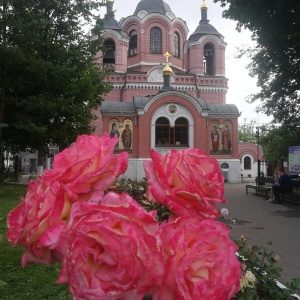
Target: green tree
(50,82)
(275,27)
(277,140)
(247,132)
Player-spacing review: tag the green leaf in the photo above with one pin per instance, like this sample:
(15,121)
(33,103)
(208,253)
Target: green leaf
(2,283)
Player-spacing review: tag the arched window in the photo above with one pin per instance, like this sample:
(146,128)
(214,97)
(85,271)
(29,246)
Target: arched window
(133,43)
(176,44)
(247,163)
(109,48)
(208,59)
(181,132)
(162,132)
(166,136)
(155,40)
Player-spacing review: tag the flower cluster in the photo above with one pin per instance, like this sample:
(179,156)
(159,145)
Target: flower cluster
(109,245)
(247,279)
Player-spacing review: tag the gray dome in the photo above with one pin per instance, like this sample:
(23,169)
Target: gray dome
(204,28)
(153,6)
(111,23)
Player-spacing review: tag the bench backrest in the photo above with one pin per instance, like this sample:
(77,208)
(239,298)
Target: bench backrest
(264,180)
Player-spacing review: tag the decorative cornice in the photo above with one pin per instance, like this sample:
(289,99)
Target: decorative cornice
(186,96)
(178,87)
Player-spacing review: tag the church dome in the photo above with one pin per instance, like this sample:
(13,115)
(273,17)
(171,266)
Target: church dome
(204,28)
(153,6)
(110,22)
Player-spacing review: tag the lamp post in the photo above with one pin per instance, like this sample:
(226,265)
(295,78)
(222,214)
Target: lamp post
(258,160)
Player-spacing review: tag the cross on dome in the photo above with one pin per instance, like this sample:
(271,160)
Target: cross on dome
(167,55)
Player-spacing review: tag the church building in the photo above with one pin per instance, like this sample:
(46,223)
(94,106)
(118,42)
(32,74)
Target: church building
(168,87)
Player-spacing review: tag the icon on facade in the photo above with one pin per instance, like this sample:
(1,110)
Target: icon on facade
(226,139)
(215,140)
(220,139)
(124,133)
(114,132)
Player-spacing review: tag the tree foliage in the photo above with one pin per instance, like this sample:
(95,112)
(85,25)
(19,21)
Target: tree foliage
(276,142)
(275,26)
(49,79)
(247,132)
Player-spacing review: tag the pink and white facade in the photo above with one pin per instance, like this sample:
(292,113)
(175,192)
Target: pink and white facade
(146,108)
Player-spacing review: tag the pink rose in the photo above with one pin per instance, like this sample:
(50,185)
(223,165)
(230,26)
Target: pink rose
(81,172)
(187,181)
(113,252)
(200,261)
(38,221)
(89,167)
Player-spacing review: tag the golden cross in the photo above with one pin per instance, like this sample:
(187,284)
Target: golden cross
(167,55)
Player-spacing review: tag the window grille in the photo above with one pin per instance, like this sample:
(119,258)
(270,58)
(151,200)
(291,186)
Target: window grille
(176,45)
(155,40)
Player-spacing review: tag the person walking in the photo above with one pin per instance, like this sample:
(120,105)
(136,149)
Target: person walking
(284,185)
(275,177)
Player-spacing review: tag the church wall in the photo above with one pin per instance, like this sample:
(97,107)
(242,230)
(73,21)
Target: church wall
(220,61)
(213,97)
(121,56)
(195,59)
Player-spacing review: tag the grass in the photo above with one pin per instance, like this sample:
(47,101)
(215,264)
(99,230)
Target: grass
(35,282)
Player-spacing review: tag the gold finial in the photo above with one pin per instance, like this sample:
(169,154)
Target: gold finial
(167,70)
(204,5)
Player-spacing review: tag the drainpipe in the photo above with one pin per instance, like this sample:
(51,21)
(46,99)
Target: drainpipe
(121,92)
(198,91)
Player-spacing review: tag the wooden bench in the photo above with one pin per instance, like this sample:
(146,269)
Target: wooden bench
(263,185)
(295,194)
(291,196)
(259,189)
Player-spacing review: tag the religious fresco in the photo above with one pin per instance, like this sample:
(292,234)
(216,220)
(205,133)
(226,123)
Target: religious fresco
(215,138)
(220,139)
(226,138)
(124,132)
(114,131)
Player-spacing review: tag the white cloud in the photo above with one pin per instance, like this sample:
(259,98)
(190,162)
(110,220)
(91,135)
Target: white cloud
(240,84)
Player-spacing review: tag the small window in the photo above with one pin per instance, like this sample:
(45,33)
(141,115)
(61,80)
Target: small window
(247,163)
(176,44)
(176,136)
(133,43)
(224,166)
(155,40)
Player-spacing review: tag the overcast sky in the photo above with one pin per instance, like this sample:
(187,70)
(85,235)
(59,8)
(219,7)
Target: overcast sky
(240,83)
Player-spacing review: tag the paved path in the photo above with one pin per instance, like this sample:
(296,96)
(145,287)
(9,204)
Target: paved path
(261,222)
